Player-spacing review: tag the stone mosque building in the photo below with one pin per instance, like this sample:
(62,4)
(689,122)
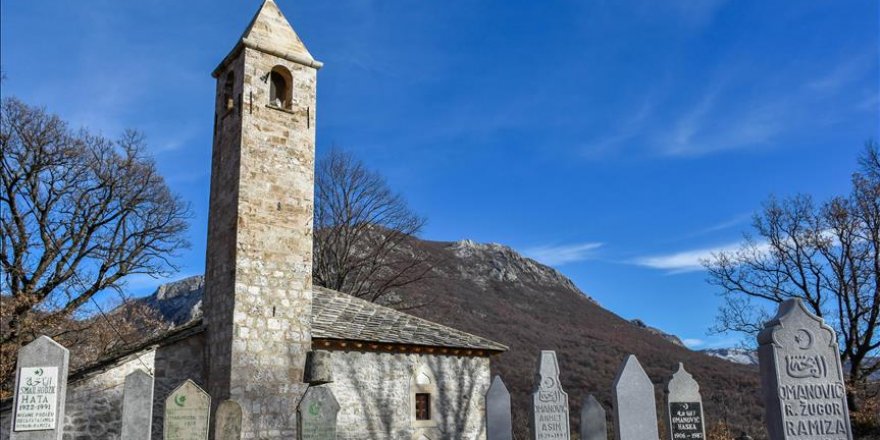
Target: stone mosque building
(266,334)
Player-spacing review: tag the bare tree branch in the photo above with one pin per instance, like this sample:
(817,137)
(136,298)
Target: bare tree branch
(827,255)
(78,214)
(363,232)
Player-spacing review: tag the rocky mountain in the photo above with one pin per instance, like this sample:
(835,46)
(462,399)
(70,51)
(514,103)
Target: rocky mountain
(493,291)
(735,355)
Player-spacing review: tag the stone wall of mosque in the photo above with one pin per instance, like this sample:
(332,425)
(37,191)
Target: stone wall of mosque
(376,395)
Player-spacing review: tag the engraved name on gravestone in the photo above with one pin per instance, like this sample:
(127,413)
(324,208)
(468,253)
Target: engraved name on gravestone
(593,423)
(227,425)
(187,413)
(549,402)
(41,382)
(499,425)
(635,409)
(685,407)
(137,406)
(801,377)
(316,414)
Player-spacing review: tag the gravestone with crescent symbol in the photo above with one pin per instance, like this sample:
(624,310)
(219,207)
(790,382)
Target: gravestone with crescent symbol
(41,381)
(187,413)
(685,407)
(549,402)
(316,414)
(635,410)
(801,377)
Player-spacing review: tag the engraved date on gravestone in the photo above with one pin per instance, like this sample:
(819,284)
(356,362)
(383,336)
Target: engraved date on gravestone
(686,419)
(36,399)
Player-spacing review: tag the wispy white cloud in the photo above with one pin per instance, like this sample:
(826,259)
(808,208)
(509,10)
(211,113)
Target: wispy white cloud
(711,127)
(684,261)
(843,73)
(558,255)
(692,260)
(717,227)
(693,343)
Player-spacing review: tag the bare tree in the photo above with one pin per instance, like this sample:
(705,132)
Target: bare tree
(828,255)
(363,232)
(78,213)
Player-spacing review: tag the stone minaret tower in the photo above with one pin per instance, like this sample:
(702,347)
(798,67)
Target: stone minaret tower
(258,273)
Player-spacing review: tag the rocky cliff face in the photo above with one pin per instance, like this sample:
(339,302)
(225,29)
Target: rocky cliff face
(180,301)
(482,263)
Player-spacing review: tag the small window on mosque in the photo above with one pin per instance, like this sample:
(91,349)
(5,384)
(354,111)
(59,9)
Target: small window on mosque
(228,101)
(279,88)
(423,406)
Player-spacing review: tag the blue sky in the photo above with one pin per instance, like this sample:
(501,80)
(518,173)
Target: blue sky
(619,141)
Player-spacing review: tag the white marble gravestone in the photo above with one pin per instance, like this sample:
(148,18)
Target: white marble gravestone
(137,406)
(635,408)
(499,425)
(316,414)
(594,426)
(40,391)
(685,407)
(187,413)
(550,419)
(801,377)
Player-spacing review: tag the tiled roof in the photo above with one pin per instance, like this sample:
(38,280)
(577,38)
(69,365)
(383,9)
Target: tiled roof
(336,315)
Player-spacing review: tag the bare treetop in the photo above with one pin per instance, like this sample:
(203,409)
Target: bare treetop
(80,212)
(362,230)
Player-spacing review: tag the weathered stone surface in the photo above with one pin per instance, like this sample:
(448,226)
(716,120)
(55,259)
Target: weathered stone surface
(550,411)
(319,368)
(187,413)
(801,377)
(227,425)
(258,271)
(685,407)
(137,406)
(499,425)
(40,389)
(635,409)
(317,414)
(374,391)
(593,423)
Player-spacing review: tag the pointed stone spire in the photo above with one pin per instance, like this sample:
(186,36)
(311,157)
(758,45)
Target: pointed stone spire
(270,32)
(499,424)
(635,408)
